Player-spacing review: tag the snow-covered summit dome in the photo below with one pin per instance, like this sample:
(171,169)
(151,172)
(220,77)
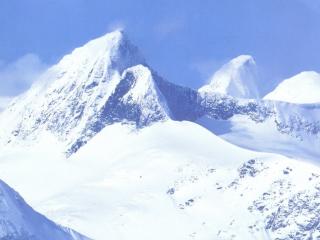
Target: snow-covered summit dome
(301,88)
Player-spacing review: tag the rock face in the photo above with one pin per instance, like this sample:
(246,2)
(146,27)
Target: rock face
(107,81)
(236,78)
(18,221)
(135,99)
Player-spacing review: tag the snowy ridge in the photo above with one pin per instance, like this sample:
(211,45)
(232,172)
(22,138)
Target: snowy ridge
(19,221)
(236,78)
(94,86)
(135,100)
(107,81)
(301,88)
(268,126)
(145,93)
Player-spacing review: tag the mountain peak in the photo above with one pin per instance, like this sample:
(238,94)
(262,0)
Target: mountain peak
(301,88)
(145,84)
(107,41)
(114,45)
(237,78)
(243,60)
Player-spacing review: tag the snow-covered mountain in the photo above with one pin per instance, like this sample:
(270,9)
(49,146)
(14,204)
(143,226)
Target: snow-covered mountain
(18,221)
(141,161)
(72,100)
(301,88)
(108,81)
(236,78)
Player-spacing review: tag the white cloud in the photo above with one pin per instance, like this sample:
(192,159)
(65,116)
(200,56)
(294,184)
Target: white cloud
(17,76)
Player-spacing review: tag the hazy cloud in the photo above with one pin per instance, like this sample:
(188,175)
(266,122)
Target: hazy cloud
(206,68)
(116,25)
(169,26)
(17,76)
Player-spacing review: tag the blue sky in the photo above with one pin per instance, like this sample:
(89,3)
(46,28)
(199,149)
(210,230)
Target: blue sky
(185,41)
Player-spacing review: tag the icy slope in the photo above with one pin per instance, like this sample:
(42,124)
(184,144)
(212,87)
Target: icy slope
(19,221)
(302,88)
(171,180)
(236,78)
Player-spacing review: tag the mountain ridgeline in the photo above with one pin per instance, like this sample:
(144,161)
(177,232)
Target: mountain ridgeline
(108,81)
(18,221)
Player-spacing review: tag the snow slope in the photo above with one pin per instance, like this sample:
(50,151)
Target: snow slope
(279,127)
(19,221)
(302,88)
(4,102)
(236,78)
(171,180)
